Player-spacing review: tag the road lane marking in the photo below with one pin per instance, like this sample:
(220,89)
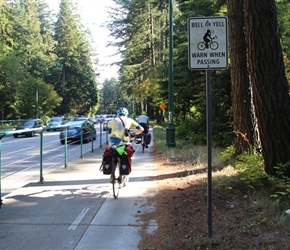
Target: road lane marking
(77,221)
(17,151)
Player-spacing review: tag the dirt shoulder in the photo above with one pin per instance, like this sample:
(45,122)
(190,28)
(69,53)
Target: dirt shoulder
(181,214)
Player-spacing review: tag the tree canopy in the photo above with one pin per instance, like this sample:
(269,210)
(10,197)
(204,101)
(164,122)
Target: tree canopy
(45,60)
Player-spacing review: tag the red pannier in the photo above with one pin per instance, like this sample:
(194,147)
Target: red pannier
(126,162)
(107,163)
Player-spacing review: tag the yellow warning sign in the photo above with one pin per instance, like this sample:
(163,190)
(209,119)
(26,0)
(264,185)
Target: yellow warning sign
(162,106)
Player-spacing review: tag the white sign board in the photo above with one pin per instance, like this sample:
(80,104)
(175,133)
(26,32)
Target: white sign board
(207,43)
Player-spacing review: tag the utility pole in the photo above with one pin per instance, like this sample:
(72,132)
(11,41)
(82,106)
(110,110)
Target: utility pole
(36,94)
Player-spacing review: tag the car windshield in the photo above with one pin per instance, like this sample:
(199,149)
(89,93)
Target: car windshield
(73,127)
(55,119)
(80,119)
(28,123)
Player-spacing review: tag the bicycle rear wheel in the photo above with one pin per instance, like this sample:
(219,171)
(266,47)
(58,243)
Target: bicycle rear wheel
(115,182)
(201,46)
(143,142)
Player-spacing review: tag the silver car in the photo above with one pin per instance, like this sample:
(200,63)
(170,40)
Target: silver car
(27,125)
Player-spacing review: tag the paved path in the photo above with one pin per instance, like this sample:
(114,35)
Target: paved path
(74,208)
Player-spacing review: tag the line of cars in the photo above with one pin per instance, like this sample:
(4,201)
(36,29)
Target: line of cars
(81,127)
(36,124)
(105,120)
(78,129)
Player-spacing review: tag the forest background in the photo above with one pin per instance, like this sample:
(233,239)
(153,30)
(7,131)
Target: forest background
(51,58)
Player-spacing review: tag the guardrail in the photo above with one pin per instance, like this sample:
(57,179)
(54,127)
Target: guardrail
(8,124)
(11,132)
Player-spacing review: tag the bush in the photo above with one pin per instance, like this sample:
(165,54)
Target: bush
(191,130)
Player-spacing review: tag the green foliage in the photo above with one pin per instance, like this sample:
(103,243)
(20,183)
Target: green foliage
(185,151)
(159,135)
(248,175)
(280,183)
(77,85)
(284,23)
(144,56)
(191,130)
(251,176)
(250,168)
(28,55)
(284,28)
(228,153)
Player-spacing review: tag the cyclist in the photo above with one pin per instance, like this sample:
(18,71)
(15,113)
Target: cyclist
(118,131)
(143,120)
(207,38)
(119,124)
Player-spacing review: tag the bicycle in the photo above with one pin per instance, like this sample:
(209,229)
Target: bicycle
(141,139)
(212,44)
(116,178)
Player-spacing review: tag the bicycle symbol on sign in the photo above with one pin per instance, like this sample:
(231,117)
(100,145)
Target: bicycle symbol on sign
(208,42)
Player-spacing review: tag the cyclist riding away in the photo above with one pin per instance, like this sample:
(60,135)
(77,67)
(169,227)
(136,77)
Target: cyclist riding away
(119,124)
(143,120)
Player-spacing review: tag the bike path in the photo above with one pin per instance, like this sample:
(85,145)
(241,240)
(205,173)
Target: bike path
(74,208)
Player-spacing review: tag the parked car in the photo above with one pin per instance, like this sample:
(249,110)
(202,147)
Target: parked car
(106,125)
(98,117)
(93,119)
(74,130)
(106,118)
(29,124)
(56,121)
(81,118)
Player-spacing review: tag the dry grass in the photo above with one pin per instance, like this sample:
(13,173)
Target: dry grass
(239,219)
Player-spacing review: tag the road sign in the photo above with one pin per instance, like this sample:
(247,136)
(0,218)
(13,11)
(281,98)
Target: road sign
(162,106)
(207,43)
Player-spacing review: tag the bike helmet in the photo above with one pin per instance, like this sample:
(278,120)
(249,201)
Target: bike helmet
(122,111)
(143,113)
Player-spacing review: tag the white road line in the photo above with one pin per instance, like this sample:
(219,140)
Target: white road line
(21,161)
(74,225)
(16,151)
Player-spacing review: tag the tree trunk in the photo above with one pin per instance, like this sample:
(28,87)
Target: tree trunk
(268,81)
(241,99)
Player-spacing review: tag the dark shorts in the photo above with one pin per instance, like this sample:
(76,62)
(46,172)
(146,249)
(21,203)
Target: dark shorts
(144,125)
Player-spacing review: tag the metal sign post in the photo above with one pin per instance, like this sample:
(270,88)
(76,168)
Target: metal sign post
(208,49)
(209,152)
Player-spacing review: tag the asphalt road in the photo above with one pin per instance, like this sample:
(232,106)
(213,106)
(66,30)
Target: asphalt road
(20,157)
(74,208)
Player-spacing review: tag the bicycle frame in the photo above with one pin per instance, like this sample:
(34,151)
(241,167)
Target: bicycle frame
(141,140)
(211,44)
(117,179)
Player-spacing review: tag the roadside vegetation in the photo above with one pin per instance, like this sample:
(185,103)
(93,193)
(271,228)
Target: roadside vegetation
(244,173)
(258,203)
(48,67)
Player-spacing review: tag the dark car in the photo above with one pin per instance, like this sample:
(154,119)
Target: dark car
(29,124)
(75,129)
(56,121)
